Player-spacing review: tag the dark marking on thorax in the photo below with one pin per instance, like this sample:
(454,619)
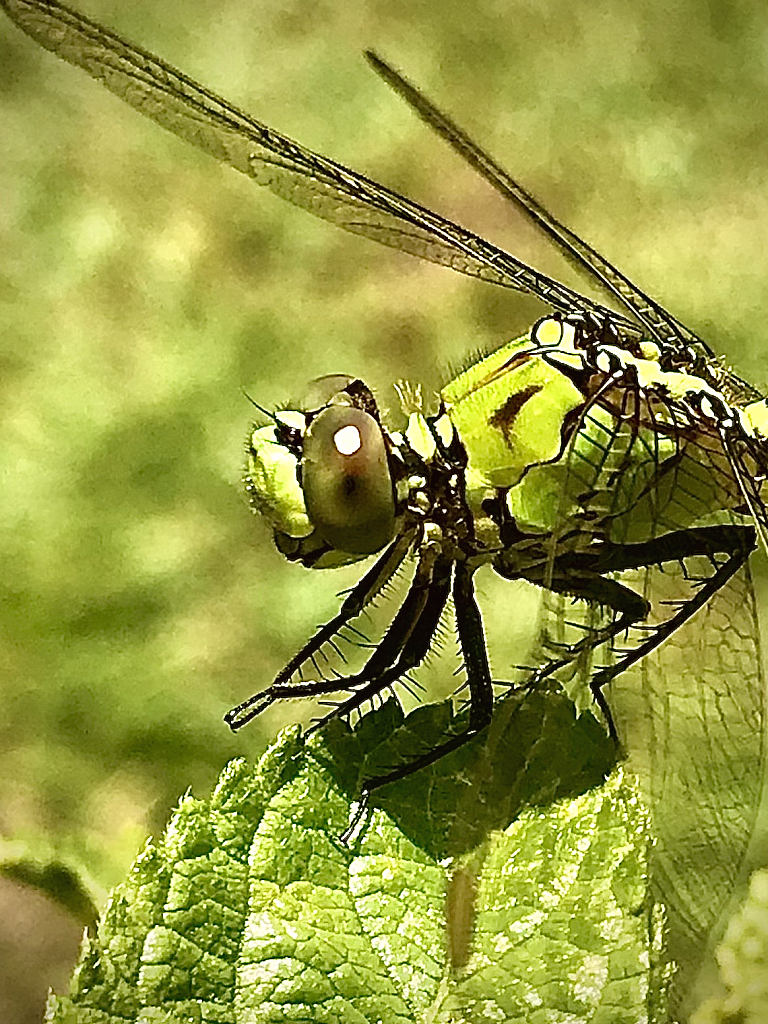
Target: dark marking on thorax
(503,418)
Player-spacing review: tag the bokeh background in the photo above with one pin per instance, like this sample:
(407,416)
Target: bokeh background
(143,288)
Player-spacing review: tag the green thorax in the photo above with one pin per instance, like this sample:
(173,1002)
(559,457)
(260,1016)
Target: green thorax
(508,409)
(529,430)
(511,411)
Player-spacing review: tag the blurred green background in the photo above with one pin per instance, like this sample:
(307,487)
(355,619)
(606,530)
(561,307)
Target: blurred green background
(143,287)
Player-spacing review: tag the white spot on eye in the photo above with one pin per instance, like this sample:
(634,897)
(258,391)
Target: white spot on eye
(347,440)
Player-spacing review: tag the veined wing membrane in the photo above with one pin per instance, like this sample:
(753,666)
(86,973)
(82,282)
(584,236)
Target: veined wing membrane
(657,321)
(690,712)
(689,715)
(306,179)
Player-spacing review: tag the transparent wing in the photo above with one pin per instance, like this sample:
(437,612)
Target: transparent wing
(309,180)
(690,713)
(658,322)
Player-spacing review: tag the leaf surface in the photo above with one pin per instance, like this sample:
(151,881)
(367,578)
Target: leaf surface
(249,909)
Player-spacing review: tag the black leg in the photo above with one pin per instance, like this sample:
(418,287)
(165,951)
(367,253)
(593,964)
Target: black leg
(671,547)
(629,608)
(364,591)
(710,586)
(472,639)
(377,673)
(405,644)
(470,629)
(574,576)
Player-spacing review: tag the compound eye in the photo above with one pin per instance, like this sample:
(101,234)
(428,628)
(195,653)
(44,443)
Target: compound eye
(346,481)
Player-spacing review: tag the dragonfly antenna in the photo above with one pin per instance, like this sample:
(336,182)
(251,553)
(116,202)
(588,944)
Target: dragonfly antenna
(260,408)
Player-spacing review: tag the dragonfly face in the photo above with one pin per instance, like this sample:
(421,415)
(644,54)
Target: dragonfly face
(323,478)
(607,458)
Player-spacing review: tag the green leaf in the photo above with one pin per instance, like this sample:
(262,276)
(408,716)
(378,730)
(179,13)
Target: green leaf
(249,908)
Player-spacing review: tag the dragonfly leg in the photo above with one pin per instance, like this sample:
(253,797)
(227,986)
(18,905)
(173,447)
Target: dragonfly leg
(363,592)
(404,646)
(671,547)
(737,543)
(733,542)
(628,607)
(471,637)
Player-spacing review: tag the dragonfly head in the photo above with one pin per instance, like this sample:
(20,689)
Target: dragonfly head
(321,475)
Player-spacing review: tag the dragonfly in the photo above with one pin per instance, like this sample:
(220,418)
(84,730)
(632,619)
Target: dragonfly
(608,457)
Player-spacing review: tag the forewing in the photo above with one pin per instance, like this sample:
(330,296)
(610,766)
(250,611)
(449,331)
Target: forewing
(658,322)
(309,180)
